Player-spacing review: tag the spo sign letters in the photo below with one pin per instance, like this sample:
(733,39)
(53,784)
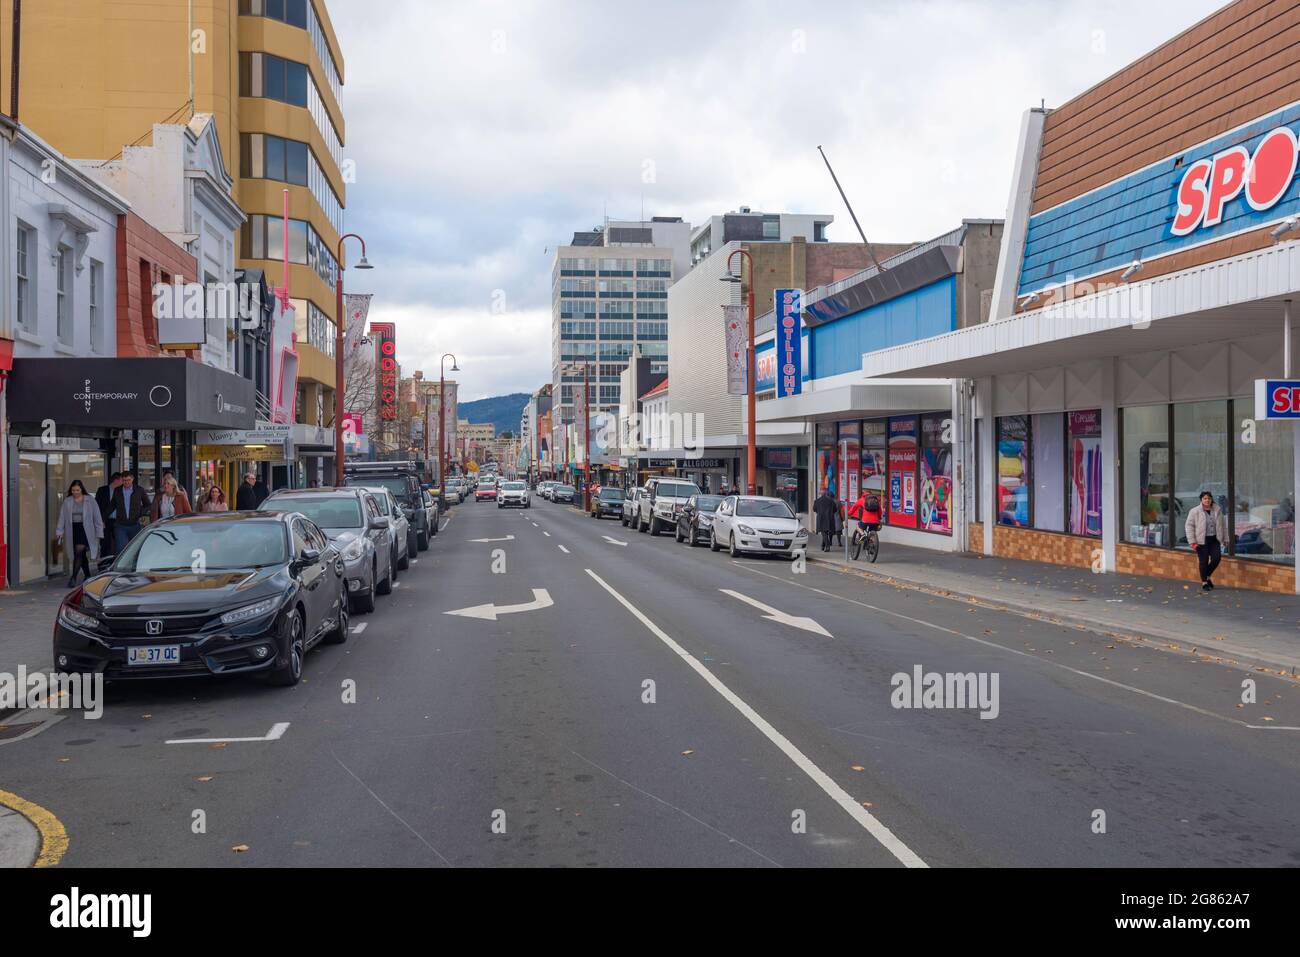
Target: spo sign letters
(1211,183)
(1277,398)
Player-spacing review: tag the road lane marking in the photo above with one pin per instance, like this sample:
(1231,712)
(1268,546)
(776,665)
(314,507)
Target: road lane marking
(1024,654)
(563,549)
(277,731)
(773,614)
(44,720)
(54,837)
(869,822)
(490,612)
(614,541)
(483,541)
(359,627)
(547,534)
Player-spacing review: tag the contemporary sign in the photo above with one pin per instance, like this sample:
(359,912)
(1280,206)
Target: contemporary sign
(789,336)
(1277,398)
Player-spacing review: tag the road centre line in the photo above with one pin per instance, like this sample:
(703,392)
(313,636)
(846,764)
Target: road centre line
(869,822)
(1025,654)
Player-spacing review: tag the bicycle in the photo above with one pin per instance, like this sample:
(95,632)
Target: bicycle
(869,540)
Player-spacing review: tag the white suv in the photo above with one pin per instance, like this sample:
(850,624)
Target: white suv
(661,502)
(513,493)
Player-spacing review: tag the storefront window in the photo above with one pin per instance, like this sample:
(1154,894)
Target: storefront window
(1146,475)
(1013,470)
(848,472)
(1200,459)
(874,444)
(936,474)
(902,472)
(1263,488)
(825,478)
(1049,471)
(1084,459)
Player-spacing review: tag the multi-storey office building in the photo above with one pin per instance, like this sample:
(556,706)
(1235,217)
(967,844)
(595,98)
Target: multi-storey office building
(99,74)
(744,225)
(609,295)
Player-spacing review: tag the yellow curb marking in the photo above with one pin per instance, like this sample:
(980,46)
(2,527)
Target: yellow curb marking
(54,839)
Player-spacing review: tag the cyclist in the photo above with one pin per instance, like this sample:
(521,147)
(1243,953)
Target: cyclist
(867,511)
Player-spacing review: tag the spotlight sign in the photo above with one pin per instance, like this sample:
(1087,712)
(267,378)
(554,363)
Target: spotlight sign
(789,333)
(385,336)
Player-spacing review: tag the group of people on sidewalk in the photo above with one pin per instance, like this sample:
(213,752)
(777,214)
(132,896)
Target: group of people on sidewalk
(106,523)
(830,518)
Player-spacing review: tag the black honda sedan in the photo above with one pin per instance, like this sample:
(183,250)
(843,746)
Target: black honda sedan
(217,593)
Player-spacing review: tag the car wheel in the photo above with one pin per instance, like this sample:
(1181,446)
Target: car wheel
(654,525)
(385,587)
(364,602)
(422,540)
(692,537)
(290,673)
(713,542)
(678,535)
(641,524)
(412,546)
(405,561)
(731,546)
(393,567)
(339,633)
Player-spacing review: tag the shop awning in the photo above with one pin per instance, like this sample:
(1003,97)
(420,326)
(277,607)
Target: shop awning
(168,392)
(858,400)
(1230,299)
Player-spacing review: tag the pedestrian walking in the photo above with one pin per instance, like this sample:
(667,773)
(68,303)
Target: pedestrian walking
(252,492)
(80,521)
(1207,530)
(104,499)
(130,511)
(171,501)
(827,511)
(214,500)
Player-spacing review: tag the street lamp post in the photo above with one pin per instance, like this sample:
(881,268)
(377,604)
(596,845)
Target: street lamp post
(340,326)
(442,418)
(751,452)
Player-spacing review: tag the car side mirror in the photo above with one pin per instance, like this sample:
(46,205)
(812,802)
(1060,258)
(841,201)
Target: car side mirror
(378,524)
(309,556)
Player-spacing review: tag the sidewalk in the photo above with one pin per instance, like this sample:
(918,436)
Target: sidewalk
(1254,628)
(27,623)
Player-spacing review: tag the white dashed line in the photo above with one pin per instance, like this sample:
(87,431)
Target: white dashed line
(359,627)
(563,549)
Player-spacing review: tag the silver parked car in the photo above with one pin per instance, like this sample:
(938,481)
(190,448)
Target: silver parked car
(352,519)
(757,523)
(404,546)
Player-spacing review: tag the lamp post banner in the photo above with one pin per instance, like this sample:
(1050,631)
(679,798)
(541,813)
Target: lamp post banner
(737,336)
(356,306)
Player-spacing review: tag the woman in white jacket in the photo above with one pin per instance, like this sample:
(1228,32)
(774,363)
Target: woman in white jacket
(79,520)
(1207,533)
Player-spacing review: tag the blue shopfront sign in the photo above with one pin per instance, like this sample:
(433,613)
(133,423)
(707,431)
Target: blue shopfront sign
(789,341)
(1233,183)
(1277,398)
(765,367)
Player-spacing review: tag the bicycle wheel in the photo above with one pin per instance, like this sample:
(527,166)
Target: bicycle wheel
(857,545)
(873,547)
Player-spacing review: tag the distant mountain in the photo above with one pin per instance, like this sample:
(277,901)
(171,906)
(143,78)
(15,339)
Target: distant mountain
(503,411)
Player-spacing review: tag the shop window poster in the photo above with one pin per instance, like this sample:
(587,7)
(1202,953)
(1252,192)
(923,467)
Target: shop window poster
(826,470)
(849,467)
(1013,471)
(873,469)
(1085,473)
(902,472)
(936,490)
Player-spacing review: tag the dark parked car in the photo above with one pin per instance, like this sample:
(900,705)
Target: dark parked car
(563,493)
(203,594)
(608,501)
(695,524)
(402,479)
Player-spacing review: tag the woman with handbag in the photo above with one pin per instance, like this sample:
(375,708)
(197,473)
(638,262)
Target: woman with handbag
(79,520)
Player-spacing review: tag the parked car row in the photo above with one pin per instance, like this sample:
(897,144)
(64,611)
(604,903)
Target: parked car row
(231,593)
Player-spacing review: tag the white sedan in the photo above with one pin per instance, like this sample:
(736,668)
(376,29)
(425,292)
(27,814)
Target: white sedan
(756,523)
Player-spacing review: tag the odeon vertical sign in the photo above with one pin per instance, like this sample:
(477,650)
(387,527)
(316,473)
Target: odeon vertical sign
(385,334)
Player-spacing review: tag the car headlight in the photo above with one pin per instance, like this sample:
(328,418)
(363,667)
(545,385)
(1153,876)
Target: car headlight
(249,612)
(706,519)
(802,533)
(76,619)
(354,549)
(745,530)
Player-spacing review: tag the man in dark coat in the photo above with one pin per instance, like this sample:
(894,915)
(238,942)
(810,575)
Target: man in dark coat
(252,492)
(827,510)
(129,507)
(104,499)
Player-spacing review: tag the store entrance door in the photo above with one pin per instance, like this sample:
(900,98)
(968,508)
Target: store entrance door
(43,480)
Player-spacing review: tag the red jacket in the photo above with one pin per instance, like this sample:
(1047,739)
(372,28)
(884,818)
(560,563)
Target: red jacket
(860,511)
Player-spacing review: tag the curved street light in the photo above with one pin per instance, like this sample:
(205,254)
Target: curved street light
(340,325)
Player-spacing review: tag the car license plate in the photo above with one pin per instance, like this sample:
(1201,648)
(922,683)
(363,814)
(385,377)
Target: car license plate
(775,543)
(153,655)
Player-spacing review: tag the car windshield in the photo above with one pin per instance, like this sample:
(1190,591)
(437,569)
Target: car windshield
(612,494)
(565,488)
(222,546)
(395,484)
(676,490)
(514,486)
(327,511)
(708,503)
(753,509)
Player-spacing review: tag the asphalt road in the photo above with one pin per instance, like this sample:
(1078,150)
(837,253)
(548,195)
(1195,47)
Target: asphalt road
(532,739)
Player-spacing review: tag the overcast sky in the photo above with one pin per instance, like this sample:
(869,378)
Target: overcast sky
(485,133)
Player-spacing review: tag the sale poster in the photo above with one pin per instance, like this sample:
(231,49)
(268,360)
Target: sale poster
(902,472)
(1085,473)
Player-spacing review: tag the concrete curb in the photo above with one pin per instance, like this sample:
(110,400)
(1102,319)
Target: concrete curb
(20,841)
(1224,652)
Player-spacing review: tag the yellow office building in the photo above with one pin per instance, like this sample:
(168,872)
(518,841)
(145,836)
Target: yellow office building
(97,74)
